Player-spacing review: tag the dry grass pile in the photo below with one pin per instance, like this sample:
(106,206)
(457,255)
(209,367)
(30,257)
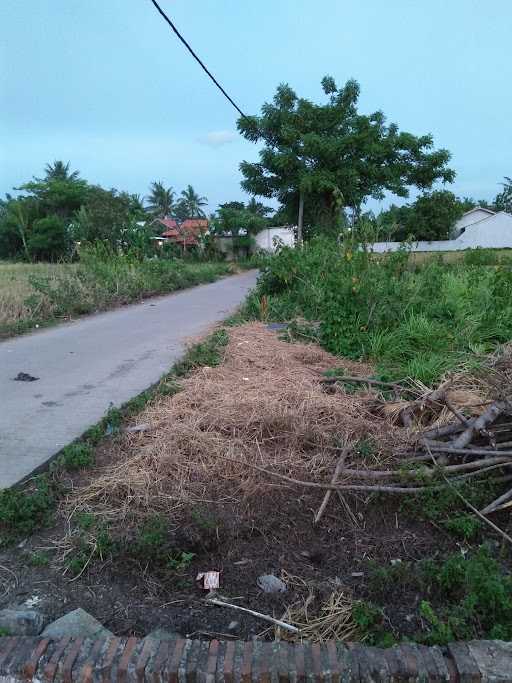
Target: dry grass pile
(264,405)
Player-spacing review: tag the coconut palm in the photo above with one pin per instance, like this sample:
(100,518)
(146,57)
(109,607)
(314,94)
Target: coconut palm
(160,200)
(60,171)
(193,202)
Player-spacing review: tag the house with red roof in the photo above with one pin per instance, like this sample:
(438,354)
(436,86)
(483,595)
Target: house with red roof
(186,234)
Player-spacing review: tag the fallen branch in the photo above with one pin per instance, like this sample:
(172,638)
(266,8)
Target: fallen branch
(362,380)
(489,416)
(465,451)
(265,617)
(496,504)
(455,411)
(335,476)
(473,508)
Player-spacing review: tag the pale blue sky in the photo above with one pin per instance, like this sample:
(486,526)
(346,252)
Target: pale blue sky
(105,85)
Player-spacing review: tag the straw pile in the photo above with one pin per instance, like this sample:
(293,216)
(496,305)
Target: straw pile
(264,405)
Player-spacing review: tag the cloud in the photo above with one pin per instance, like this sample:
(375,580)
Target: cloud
(217,138)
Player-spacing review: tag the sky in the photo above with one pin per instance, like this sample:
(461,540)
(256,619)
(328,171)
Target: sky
(105,85)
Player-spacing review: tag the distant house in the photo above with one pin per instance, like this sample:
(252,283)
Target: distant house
(476,228)
(186,234)
(470,218)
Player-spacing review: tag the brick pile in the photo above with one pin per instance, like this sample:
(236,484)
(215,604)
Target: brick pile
(185,661)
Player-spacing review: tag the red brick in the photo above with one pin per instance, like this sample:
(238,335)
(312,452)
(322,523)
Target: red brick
(229,661)
(333,661)
(246,664)
(106,665)
(88,667)
(316,657)
(8,645)
(175,661)
(143,659)
(159,661)
(70,660)
(284,670)
(30,667)
(213,651)
(125,660)
(299,663)
(51,667)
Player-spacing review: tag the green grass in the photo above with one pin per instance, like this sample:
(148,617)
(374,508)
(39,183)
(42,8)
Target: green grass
(41,294)
(410,321)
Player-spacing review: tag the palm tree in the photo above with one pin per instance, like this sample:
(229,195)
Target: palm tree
(258,208)
(60,171)
(194,203)
(160,200)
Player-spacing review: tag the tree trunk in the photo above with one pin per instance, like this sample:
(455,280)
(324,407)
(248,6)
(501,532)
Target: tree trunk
(300,220)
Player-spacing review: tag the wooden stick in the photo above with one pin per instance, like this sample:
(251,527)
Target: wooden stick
(489,416)
(465,451)
(493,507)
(429,472)
(361,380)
(336,474)
(444,430)
(473,509)
(277,622)
(453,409)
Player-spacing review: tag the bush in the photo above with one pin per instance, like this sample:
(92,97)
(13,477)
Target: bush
(47,241)
(417,321)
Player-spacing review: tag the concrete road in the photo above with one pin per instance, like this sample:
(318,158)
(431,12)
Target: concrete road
(87,365)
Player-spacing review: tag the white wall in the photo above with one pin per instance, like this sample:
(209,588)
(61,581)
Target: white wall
(265,238)
(495,232)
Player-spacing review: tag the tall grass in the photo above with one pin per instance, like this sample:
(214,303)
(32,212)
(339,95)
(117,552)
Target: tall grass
(37,294)
(411,320)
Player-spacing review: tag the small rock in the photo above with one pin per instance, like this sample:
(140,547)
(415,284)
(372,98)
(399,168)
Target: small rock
(233,625)
(22,622)
(162,634)
(356,575)
(25,377)
(271,584)
(77,624)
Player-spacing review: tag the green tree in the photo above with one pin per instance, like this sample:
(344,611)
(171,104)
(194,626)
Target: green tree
(332,156)
(60,171)
(431,217)
(161,200)
(48,240)
(106,215)
(503,200)
(258,208)
(193,203)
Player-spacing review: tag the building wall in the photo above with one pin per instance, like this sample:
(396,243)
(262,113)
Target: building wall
(265,238)
(495,232)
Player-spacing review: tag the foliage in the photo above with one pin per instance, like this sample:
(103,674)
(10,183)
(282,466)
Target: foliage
(191,204)
(47,241)
(22,510)
(430,217)
(417,322)
(160,200)
(207,352)
(334,155)
(503,200)
(474,597)
(77,456)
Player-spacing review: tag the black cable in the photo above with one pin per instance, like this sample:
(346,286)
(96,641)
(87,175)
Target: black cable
(203,66)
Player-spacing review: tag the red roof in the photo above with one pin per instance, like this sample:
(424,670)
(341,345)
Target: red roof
(173,232)
(195,225)
(168,222)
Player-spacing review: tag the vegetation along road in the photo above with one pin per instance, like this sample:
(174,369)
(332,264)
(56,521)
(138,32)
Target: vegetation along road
(87,366)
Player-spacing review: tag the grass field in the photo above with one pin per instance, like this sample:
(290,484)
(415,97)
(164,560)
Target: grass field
(39,294)
(20,304)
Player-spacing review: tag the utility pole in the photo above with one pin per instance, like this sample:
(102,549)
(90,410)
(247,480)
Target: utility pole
(300,221)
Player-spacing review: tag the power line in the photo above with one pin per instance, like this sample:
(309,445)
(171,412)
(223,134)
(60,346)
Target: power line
(203,66)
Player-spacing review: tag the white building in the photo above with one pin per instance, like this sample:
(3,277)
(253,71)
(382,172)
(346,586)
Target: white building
(476,228)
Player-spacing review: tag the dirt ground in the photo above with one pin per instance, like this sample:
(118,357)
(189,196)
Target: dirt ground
(263,405)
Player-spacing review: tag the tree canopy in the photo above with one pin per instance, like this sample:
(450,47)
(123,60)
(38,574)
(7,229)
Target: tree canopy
(333,155)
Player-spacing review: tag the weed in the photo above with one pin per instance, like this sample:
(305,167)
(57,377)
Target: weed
(152,539)
(366,447)
(204,520)
(180,561)
(38,559)
(4,632)
(84,520)
(207,353)
(369,620)
(76,456)
(22,510)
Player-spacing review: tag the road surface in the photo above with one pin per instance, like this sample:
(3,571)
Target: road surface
(88,365)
